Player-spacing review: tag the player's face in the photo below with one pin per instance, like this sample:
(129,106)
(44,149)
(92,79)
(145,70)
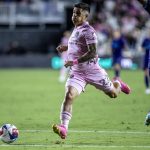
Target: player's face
(79,16)
(116,34)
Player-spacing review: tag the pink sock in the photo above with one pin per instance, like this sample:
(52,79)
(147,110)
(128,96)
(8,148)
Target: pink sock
(65,118)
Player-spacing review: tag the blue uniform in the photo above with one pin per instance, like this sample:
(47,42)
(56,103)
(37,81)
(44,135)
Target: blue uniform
(147,6)
(146,46)
(117,48)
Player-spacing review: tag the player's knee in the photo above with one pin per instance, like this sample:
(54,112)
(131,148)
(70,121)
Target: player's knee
(112,95)
(70,95)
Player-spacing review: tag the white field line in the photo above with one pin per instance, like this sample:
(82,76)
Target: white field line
(93,131)
(72,146)
(80,146)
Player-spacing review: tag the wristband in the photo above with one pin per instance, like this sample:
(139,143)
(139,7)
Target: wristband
(75,62)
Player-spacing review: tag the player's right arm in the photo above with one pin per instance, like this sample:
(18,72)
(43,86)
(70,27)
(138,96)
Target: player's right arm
(90,54)
(62,48)
(91,41)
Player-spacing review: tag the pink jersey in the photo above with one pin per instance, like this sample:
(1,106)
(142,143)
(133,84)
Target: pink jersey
(77,46)
(88,72)
(79,39)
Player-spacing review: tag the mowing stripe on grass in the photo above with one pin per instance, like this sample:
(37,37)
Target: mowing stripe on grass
(77,146)
(93,131)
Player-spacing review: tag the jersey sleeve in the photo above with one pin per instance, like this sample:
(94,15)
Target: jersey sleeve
(90,36)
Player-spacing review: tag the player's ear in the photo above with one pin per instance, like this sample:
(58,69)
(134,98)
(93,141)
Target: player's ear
(86,14)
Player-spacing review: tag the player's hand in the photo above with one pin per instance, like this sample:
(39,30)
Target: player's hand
(68,63)
(62,48)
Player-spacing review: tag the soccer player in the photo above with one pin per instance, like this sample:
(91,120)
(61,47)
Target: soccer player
(146,5)
(146,48)
(84,68)
(117,47)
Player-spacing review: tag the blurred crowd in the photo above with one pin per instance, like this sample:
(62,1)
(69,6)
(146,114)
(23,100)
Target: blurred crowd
(107,16)
(128,17)
(27,1)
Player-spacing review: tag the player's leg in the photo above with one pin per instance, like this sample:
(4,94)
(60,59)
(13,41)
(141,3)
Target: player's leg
(117,66)
(146,73)
(118,86)
(117,69)
(66,108)
(146,81)
(66,112)
(147,118)
(115,89)
(149,71)
(101,81)
(123,86)
(149,64)
(74,86)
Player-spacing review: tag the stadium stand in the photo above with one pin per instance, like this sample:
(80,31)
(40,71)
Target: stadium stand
(44,21)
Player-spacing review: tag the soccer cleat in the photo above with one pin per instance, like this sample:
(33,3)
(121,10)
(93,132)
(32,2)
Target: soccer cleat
(147,119)
(60,130)
(124,87)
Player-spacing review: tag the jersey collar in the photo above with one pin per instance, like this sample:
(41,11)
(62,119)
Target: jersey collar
(83,24)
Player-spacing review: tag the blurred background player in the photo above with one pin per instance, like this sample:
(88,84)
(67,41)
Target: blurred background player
(64,70)
(146,5)
(117,47)
(84,68)
(146,48)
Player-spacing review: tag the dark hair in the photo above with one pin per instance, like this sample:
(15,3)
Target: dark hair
(83,6)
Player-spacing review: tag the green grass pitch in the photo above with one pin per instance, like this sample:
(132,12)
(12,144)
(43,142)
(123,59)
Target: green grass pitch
(31,99)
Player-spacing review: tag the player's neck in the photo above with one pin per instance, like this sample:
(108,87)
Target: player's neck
(77,25)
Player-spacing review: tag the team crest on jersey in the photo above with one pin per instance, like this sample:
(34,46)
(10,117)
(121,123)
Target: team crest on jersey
(76,34)
(71,76)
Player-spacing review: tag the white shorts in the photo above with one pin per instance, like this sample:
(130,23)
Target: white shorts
(97,78)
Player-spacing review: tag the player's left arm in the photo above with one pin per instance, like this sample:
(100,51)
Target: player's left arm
(91,40)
